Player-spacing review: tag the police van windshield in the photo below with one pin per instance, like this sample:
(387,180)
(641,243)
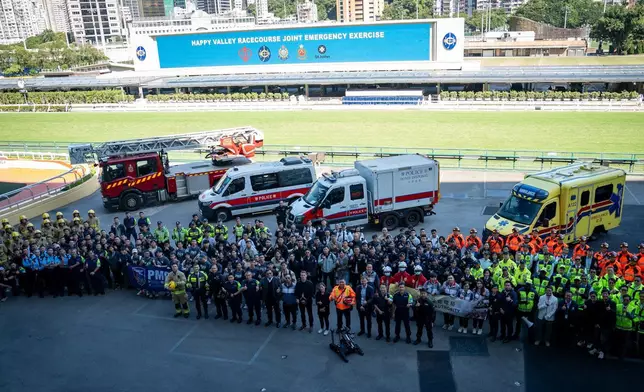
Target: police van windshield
(221,184)
(316,194)
(519,210)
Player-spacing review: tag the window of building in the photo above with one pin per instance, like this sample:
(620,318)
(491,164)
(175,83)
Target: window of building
(603,193)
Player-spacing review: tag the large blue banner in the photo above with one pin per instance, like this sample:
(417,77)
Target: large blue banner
(147,278)
(326,44)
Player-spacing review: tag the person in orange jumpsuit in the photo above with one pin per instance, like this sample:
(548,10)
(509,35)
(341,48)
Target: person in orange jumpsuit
(581,249)
(473,242)
(513,241)
(624,256)
(456,237)
(495,242)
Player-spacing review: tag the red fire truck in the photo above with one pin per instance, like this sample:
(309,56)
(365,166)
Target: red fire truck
(137,172)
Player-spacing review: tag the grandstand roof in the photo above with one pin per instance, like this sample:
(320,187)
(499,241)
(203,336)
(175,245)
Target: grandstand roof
(491,75)
(549,74)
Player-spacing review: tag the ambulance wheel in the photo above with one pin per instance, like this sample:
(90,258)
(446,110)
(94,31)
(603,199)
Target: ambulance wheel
(222,214)
(412,218)
(131,201)
(390,221)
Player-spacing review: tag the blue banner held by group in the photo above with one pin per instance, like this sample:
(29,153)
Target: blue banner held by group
(147,278)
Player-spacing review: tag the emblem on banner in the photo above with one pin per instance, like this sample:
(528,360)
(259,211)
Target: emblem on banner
(301,53)
(283,53)
(244,54)
(141,54)
(264,53)
(139,276)
(449,41)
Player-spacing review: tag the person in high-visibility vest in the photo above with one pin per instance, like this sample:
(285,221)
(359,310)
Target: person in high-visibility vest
(624,325)
(639,320)
(525,307)
(344,298)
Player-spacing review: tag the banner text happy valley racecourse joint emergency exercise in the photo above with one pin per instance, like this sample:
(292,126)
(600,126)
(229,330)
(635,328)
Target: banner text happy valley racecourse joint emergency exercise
(289,38)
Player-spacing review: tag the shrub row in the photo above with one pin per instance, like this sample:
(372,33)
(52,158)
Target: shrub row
(218,97)
(65,97)
(538,95)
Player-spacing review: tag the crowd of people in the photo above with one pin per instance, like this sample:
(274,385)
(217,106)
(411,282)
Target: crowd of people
(590,298)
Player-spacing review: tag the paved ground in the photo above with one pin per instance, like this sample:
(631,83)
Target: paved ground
(125,343)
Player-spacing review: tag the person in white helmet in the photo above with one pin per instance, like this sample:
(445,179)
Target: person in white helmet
(386,279)
(402,276)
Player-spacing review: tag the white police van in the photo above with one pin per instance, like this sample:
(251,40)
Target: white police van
(257,188)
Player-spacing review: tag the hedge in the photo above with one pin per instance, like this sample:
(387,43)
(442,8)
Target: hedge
(538,95)
(66,97)
(235,97)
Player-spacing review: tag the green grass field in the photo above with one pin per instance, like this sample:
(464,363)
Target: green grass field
(549,131)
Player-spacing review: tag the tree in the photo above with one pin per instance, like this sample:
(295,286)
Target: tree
(498,19)
(326,9)
(406,9)
(282,8)
(622,26)
(252,10)
(572,13)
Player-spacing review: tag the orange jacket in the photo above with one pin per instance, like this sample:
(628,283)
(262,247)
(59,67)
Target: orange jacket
(623,257)
(496,244)
(458,239)
(537,241)
(514,242)
(476,241)
(343,299)
(640,260)
(630,272)
(580,250)
(551,244)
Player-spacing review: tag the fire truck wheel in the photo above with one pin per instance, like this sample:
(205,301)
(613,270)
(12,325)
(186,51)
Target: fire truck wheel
(131,201)
(390,221)
(412,218)
(222,215)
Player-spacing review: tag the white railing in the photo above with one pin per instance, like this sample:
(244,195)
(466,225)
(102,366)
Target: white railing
(35,155)
(34,192)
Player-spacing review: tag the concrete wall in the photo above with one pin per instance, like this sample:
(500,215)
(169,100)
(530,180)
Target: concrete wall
(54,202)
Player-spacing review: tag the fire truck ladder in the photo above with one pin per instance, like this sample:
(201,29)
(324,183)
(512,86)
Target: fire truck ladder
(82,153)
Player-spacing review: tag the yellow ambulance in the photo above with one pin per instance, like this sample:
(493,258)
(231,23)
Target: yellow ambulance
(581,199)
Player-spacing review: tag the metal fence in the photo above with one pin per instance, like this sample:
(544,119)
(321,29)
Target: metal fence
(28,194)
(35,155)
(470,159)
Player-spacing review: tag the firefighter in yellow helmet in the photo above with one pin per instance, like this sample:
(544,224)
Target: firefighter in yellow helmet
(31,230)
(47,229)
(39,239)
(76,214)
(59,215)
(22,226)
(175,281)
(93,221)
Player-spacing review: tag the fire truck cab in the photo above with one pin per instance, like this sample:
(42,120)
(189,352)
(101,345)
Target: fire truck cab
(134,173)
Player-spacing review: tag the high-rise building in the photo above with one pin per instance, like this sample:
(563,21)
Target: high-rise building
(307,12)
(57,15)
(20,19)
(359,10)
(261,9)
(95,21)
(134,7)
(152,8)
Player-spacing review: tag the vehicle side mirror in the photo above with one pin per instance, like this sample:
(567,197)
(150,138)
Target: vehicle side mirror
(326,204)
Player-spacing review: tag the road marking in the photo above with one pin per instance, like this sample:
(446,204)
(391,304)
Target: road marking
(154,210)
(190,331)
(632,194)
(262,347)
(139,309)
(206,357)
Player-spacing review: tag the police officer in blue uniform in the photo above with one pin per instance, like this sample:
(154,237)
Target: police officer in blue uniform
(402,301)
(233,293)
(93,267)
